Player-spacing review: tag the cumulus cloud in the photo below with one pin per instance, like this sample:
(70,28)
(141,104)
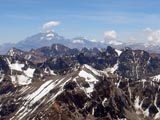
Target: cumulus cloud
(50,25)
(110,35)
(153,35)
(147,35)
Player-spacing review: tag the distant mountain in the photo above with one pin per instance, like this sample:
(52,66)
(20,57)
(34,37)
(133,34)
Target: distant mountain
(48,38)
(40,40)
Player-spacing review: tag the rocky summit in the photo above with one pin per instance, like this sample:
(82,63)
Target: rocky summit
(61,83)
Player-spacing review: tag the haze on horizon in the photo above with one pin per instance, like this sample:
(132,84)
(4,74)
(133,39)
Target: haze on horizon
(122,20)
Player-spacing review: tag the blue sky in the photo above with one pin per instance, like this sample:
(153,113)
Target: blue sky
(90,18)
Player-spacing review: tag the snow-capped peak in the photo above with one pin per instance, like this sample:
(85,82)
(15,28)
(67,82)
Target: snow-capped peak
(50,35)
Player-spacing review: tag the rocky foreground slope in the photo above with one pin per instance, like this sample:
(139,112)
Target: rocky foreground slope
(59,83)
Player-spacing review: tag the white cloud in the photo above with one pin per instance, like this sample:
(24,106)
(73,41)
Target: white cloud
(147,35)
(110,35)
(50,25)
(152,35)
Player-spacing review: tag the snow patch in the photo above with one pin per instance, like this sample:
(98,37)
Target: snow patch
(114,42)
(143,81)
(118,83)
(112,69)
(92,69)
(13,79)
(118,52)
(93,40)
(136,103)
(90,89)
(78,41)
(50,35)
(104,101)
(156,78)
(29,72)
(2,77)
(29,57)
(24,79)
(49,71)
(21,80)
(56,47)
(138,106)
(88,77)
(16,66)
(146,112)
(157,116)
(11,52)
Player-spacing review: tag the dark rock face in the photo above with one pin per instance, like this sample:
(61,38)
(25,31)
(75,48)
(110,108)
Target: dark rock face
(8,107)
(55,50)
(3,65)
(111,56)
(6,86)
(137,64)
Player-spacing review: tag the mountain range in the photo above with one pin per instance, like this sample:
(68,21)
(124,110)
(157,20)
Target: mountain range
(48,38)
(61,83)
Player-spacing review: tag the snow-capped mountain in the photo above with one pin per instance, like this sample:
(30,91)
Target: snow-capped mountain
(48,38)
(40,40)
(109,85)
